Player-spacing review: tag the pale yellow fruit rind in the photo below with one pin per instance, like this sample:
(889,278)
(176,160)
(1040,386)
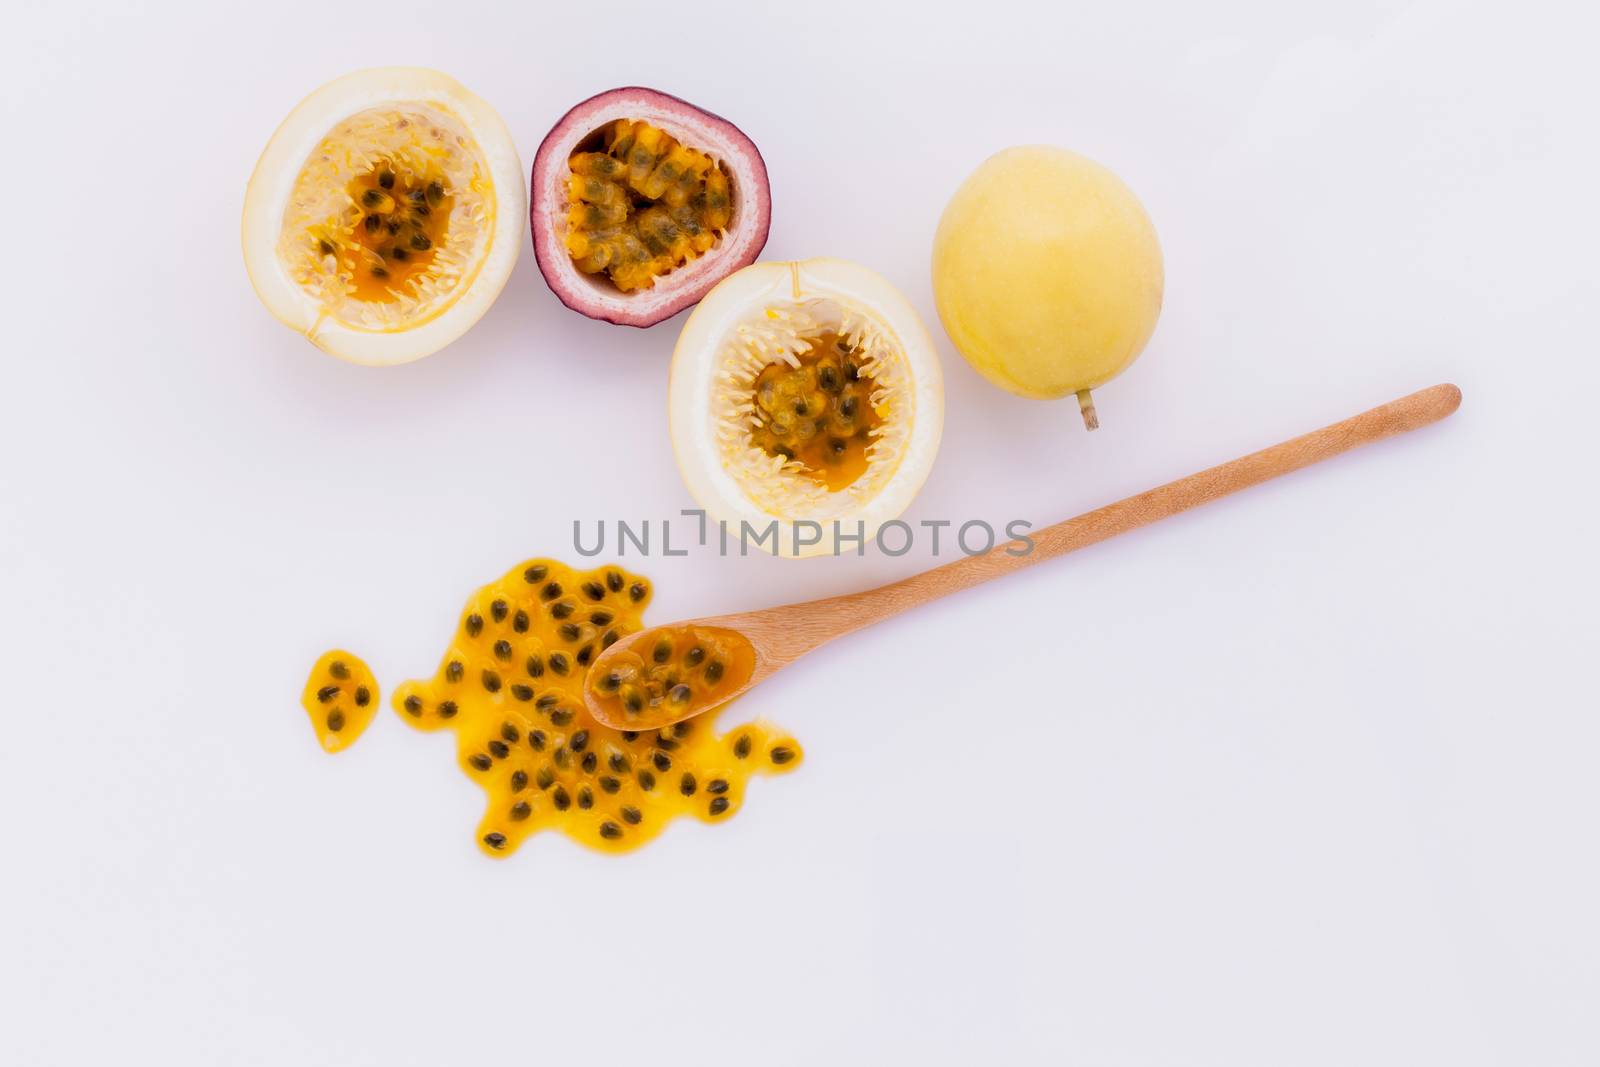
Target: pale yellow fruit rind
(1047,272)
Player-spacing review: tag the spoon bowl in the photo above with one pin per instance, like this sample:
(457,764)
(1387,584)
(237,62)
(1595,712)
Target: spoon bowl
(666,674)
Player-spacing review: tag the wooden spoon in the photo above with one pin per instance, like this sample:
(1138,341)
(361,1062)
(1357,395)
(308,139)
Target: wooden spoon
(750,646)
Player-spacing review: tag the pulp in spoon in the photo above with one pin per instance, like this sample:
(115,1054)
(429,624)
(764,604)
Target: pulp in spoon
(672,673)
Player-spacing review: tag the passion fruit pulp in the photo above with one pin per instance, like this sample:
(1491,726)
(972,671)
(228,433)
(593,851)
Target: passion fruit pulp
(511,689)
(644,206)
(669,674)
(340,696)
(817,410)
(805,393)
(381,218)
(642,202)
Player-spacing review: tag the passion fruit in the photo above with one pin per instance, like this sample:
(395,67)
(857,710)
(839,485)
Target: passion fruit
(1047,274)
(642,202)
(805,392)
(381,220)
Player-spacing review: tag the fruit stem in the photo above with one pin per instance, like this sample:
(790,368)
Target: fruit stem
(1091,421)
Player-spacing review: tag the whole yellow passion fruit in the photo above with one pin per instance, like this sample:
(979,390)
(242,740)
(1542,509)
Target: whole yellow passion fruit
(1047,274)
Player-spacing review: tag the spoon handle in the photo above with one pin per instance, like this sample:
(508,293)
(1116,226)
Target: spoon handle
(855,610)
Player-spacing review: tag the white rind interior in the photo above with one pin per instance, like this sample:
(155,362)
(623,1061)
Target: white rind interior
(281,162)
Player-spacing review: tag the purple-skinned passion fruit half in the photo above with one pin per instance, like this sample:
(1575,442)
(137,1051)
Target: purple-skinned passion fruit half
(642,202)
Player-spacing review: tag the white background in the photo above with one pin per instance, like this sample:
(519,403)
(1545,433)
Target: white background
(1307,777)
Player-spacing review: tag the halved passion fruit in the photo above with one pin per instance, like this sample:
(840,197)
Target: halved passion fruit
(381,220)
(805,394)
(642,203)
